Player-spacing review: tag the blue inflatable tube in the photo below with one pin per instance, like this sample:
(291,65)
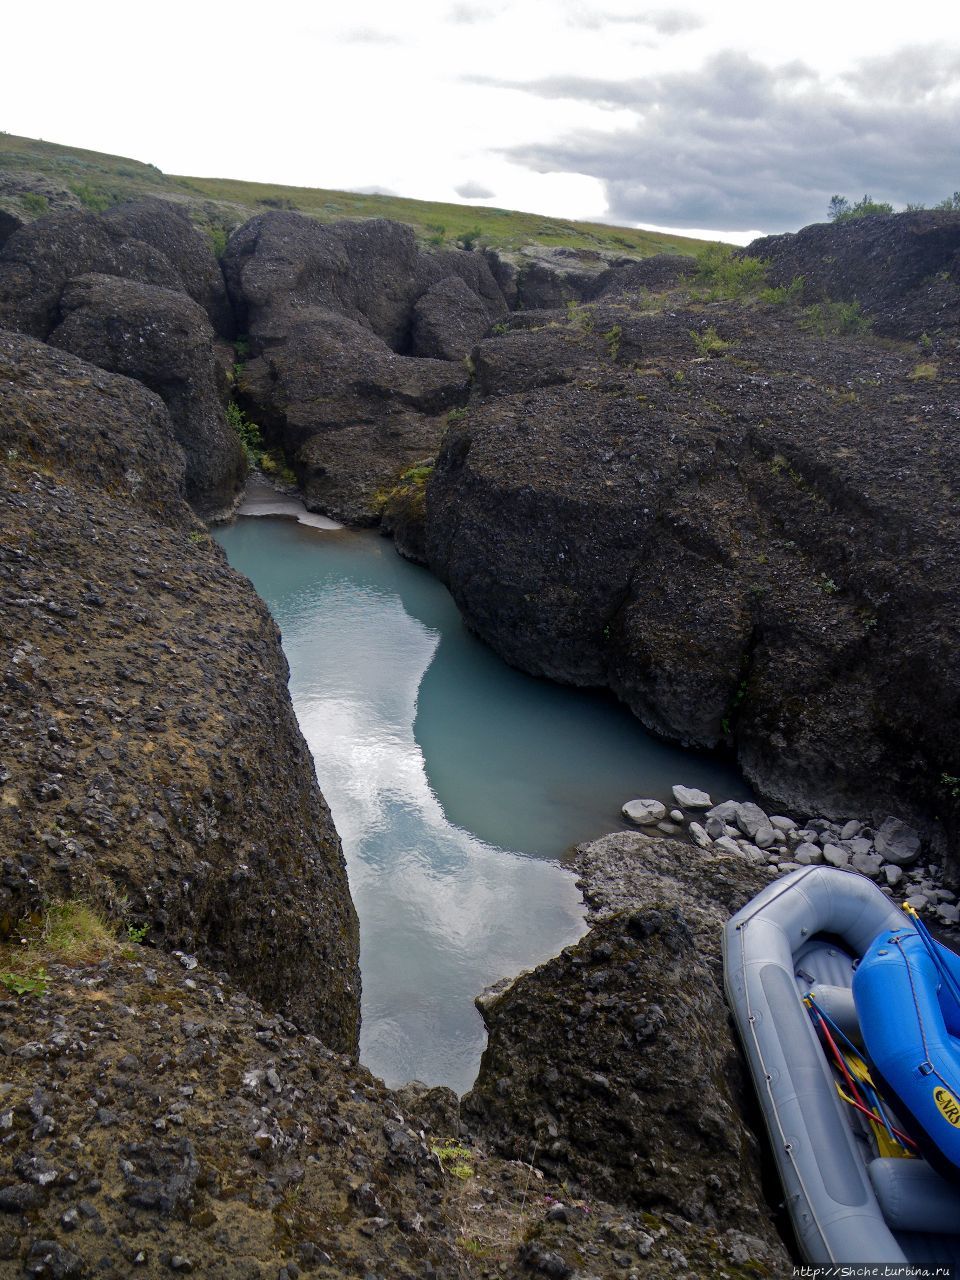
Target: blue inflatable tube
(910,1023)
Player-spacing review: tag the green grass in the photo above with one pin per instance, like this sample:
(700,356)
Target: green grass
(221,203)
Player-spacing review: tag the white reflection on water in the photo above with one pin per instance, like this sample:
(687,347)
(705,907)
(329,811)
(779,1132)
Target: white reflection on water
(443,914)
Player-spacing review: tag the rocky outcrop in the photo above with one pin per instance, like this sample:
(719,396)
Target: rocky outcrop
(150,756)
(738,526)
(158,1121)
(448,320)
(152,242)
(616,1064)
(903,268)
(167,228)
(125,291)
(164,340)
(351,412)
(345,322)
(25,196)
(537,278)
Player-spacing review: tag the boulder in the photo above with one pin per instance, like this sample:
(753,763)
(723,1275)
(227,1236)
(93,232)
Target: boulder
(167,228)
(333,312)
(580,1067)
(644,812)
(448,320)
(699,836)
(897,842)
(750,818)
(351,413)
(668,569)
(132,242)
(164,340)
(691,797)
(808,854)
(835,856)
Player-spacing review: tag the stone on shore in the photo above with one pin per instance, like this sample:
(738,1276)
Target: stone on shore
(898,843)
(699,836)
(836,856)
(691,797)
(644,812)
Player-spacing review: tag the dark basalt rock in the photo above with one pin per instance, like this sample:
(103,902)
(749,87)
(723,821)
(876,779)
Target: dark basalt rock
(903,268)
(132,242)
(352,414)
(331,312)
(448,320)
(615,1062)
(167,228)
(752,548)
(151,758)
(164,340)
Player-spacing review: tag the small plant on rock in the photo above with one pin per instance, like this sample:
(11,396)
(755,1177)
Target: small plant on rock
(454,1158)
(709,343)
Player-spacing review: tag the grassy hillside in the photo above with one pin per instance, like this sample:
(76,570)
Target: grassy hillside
(72,177)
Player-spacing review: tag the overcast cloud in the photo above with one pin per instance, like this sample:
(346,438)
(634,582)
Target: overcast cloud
(474,191)
(666,22)
(739,144)
(717,119)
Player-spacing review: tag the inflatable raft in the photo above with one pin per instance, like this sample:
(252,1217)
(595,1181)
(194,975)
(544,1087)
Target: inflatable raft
(795,949)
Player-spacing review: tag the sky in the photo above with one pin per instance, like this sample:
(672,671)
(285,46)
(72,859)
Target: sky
(727,120)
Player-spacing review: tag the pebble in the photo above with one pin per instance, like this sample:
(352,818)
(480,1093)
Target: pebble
(836,856)
(676,815)
(893,874)
(699,836)
(785,825)
(808,854)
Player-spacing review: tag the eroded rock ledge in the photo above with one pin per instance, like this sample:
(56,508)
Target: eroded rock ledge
(150,755)
(616,1060)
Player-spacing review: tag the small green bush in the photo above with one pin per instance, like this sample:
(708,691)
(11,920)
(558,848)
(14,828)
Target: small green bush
(709,342)
(249,432)
(781,294)
(837,318)
(612,337)
(841,210)
(471,239)
(722,276)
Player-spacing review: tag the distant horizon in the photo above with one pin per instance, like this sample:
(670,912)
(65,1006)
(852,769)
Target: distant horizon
(678,119)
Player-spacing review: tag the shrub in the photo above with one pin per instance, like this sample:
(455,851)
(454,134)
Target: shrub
(725,276)
(783,293)
(612,337)
(924,372)
(835,318)
(709,342)
(841,210)
(470,239)
(950,203)
(248,431)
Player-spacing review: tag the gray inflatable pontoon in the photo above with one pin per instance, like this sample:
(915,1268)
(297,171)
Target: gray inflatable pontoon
(805,932)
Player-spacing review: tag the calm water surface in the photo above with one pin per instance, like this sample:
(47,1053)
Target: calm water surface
(456,783)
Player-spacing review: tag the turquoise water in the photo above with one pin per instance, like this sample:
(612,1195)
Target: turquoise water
(456,783)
